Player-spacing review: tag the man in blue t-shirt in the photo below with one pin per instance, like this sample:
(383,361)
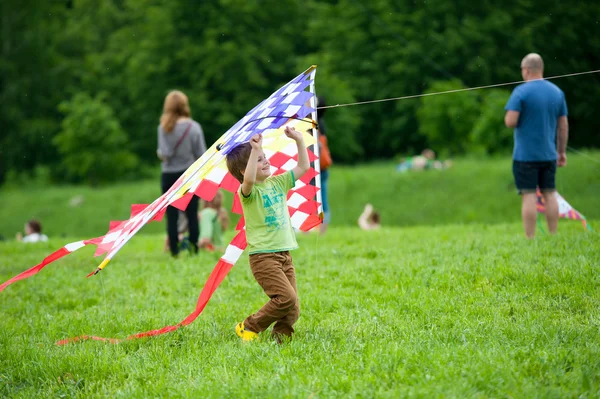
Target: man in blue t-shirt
(537,110)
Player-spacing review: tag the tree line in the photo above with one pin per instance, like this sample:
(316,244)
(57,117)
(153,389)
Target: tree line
(82,81)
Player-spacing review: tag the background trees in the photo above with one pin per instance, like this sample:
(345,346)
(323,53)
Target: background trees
(118,58)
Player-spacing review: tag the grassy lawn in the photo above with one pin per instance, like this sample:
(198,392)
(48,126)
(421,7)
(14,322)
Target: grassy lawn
(445,311)
(472,191)
(447,300)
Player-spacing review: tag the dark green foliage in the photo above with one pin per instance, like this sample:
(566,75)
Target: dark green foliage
(464,122)
(92,144)
(447,119)
(489,134)
(228,55)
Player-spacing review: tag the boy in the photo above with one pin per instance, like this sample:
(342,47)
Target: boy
(269,233)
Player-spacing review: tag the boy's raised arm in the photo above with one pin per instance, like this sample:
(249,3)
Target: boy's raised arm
(303,163)
(250,172)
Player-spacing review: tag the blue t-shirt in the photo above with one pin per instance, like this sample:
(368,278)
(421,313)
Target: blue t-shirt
(540,104)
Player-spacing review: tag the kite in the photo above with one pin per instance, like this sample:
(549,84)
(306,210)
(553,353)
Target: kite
(294,104)
(565,210)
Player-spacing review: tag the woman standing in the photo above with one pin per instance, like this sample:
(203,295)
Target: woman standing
(180,143)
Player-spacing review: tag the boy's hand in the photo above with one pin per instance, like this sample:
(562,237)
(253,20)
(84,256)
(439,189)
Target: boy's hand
(303,163)
(256,141)
(293,133)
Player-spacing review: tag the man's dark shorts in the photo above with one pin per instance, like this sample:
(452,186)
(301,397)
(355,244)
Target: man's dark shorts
(530,175)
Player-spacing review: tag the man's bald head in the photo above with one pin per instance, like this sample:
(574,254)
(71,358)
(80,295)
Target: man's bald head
(532,66)
(534,62)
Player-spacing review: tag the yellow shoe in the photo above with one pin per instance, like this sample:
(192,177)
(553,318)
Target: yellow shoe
(244,334)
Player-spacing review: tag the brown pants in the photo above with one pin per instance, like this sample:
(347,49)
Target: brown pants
(275,274)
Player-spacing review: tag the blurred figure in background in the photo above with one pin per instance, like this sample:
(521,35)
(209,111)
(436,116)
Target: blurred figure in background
(325,161)
(182,228)
(33,232)
(369,219)
(537,110)
(423,162)
(180,142)
(214,219)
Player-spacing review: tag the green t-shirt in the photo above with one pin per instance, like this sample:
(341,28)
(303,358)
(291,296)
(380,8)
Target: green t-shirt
(268,224)
(210,227)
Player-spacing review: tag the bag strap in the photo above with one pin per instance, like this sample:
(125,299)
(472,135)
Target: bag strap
(182,137)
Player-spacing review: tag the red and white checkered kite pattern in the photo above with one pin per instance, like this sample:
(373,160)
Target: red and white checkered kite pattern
(289,106)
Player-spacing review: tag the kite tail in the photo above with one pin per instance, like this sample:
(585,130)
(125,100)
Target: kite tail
(232,253)
(586,225)
(540,224)
(64,251)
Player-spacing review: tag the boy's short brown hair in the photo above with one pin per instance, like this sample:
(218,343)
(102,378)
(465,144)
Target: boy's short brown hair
(237,160)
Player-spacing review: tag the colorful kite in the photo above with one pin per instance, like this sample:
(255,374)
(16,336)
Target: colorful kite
(294,104)
(565,210)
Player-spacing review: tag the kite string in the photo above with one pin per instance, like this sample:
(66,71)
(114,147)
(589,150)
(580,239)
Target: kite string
(317,244)
(105,300)
(455,90)
(584,154)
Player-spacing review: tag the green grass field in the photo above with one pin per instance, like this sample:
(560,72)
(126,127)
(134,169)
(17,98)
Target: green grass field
(473,191)
(447,311)
(448,300)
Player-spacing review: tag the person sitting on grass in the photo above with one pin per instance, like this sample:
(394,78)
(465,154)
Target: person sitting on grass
(33,232)
(424,161)
(369,219)
(269,234)
(213,221)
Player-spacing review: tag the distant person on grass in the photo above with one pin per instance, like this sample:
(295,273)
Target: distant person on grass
(180,143)
(269,234)
(537,110)
(369,219)
(424,161)
(33,232)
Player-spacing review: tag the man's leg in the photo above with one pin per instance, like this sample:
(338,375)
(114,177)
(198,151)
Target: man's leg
(526,180)
(551,204)
(529,213)
(547,179)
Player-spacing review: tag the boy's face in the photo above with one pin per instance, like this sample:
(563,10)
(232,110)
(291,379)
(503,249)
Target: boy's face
(263,167)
